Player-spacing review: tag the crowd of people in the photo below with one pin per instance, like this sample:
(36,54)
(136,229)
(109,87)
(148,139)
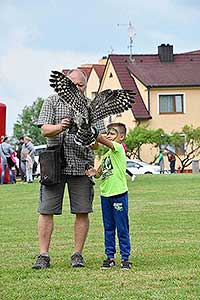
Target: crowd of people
(19,161)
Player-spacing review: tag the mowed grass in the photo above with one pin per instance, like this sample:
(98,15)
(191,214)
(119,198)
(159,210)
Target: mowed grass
(165,238)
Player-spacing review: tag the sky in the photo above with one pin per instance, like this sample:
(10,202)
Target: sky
(38,36)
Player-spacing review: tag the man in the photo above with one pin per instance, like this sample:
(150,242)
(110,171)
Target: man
(55,118)
(19,150)
(5,153)
(27,145)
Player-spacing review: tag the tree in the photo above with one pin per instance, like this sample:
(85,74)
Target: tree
(190,137)
(141,135)
(27,123)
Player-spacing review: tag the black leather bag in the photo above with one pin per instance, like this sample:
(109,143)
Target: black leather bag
(50,165)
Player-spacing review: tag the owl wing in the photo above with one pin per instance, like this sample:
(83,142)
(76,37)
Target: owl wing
(110,102)
(68,91)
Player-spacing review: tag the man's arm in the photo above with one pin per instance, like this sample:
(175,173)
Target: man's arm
(49,130)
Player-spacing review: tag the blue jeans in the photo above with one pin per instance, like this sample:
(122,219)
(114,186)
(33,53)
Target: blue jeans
(115,216)
(3,174)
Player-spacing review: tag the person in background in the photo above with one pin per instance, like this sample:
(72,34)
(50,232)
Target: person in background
(19,149)
(27,145)
(29,167)
(172,161)
(114,195)
(160,160)
(6,151)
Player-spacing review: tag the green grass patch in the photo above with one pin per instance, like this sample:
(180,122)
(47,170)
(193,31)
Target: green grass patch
(165,236)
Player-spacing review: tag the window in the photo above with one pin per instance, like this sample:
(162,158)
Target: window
(171,104)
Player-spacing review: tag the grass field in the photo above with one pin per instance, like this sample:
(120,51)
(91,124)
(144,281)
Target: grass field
(164,215)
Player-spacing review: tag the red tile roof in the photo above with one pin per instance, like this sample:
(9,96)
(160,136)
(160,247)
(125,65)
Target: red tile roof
(119,63)
(183,71)
(147,68)
(99,70)
(86,70)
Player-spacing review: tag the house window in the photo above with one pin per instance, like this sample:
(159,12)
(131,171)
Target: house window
(169,104)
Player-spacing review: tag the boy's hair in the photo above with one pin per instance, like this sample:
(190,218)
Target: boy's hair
(121,126)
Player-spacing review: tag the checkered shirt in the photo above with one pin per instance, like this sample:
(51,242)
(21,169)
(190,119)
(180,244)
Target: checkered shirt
(54,109)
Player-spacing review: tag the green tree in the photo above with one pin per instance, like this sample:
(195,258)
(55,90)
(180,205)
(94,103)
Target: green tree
(27,123)
(141,135)
(190,137)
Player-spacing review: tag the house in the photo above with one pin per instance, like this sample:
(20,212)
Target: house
(167,87)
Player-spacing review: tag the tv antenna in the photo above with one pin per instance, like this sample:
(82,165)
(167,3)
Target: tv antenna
(131,34)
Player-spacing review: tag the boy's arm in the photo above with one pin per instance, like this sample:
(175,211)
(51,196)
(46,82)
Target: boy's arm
(93,172)
(101,139)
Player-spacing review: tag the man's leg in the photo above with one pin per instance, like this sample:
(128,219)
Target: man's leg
(3,173)
(45,229)
(81,227)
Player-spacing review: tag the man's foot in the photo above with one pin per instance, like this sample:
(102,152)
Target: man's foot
(77,260)
(108,263)
(126,265)
(42,262)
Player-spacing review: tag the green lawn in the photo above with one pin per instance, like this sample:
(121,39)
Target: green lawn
(165,236)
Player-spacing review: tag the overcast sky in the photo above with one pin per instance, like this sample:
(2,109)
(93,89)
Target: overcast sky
(40,35)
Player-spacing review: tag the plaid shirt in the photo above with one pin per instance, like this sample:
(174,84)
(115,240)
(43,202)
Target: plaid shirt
(53,111)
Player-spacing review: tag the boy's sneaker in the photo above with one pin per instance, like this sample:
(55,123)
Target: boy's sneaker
(126,265)
(42,262)
(77,260)
(108,263)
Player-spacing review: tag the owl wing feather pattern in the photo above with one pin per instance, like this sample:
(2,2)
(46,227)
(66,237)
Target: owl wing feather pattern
(106,103)
(110,102)
(68,91)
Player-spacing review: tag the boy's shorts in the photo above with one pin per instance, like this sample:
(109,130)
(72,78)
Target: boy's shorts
(81,194)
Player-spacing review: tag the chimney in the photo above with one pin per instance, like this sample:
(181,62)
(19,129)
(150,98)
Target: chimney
(165,53)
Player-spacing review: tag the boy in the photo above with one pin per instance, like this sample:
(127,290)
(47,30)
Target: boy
(114,195)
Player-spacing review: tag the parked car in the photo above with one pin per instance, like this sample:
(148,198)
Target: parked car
(38,150)
(136,166)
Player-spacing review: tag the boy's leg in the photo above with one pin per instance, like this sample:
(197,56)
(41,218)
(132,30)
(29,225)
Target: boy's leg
(122,223)
(109,226)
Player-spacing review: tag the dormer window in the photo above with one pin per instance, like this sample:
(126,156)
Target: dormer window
(110,75)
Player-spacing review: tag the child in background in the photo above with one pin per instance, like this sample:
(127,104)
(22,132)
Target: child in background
(114,196)
(29,167)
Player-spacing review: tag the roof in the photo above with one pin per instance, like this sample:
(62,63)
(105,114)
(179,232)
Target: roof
(99,70)
(119,63)
(183,71)
(86,70)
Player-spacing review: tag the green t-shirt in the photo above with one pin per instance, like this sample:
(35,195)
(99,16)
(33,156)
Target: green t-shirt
(113,179)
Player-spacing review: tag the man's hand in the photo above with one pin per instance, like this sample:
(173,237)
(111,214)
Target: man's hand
(49,130)
(65,123)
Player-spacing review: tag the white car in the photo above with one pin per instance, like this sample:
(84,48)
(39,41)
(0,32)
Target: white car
(136,166)
(38,150)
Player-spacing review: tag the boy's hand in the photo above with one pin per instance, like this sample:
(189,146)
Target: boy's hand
(91,172)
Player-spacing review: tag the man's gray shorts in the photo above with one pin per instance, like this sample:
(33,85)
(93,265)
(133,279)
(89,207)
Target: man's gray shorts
(81,194)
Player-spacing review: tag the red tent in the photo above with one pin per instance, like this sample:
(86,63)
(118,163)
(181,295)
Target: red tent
(2,133)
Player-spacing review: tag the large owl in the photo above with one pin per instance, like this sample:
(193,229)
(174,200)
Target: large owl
(87,113)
